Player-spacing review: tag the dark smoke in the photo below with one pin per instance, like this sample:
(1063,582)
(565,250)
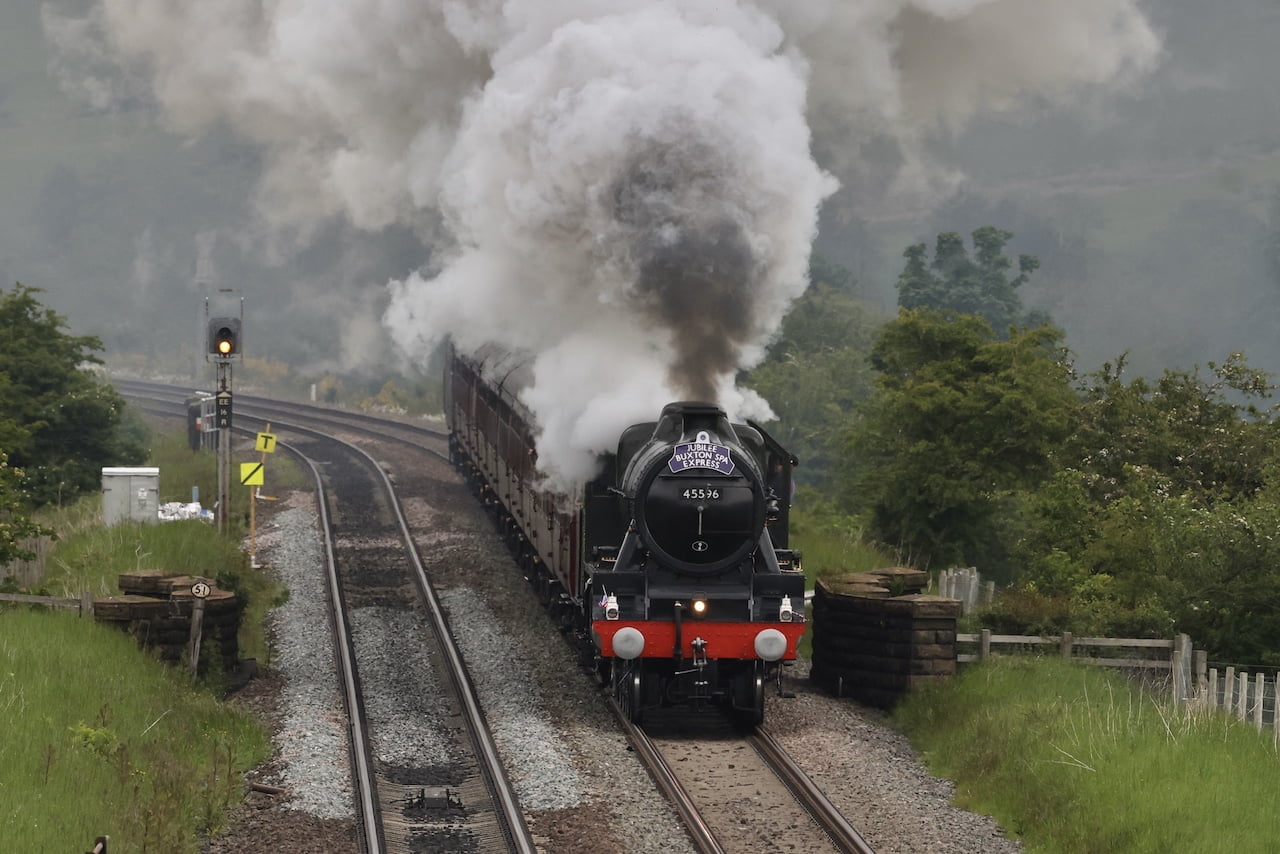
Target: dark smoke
(696,274)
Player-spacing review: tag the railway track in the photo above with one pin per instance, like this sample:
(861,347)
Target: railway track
(420,435)
(465,802)
(779,809)
(738,791)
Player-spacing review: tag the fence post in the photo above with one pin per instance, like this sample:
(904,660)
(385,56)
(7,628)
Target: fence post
(1243,710)
(988,592)
(1260,694)
(1275,711)
(1229,690)
(972,598)
(1211,696)
(984,649)
(1184,670)
(1175,671)
(197,631)
(1202,662)
(1065,644)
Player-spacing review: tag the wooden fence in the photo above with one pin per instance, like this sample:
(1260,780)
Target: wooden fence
(1172,660)
(1249,697)
(84,604)
(29,573)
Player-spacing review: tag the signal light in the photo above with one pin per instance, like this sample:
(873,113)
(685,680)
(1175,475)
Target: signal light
(224,337)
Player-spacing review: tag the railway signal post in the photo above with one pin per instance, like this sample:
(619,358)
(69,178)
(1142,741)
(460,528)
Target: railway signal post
(223,342)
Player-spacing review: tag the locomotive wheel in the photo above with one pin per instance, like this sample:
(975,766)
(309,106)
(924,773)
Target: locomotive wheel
(604,669)
(750,710)
(626,689)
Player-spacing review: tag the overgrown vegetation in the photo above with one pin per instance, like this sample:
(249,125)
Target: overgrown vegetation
(831,544)
(1074,760)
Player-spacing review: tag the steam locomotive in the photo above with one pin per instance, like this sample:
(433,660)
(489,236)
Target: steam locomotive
(672,566)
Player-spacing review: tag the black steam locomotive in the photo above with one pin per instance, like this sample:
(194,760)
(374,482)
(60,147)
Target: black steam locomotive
(672,565)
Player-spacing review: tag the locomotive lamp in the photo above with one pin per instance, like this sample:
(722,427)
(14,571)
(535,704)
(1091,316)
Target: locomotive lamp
(611,607)
(785,613)
(699,607)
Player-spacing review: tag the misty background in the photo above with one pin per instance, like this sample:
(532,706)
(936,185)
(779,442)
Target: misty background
(1149,199)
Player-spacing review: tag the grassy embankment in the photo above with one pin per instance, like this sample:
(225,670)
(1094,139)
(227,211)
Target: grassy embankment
(1077,760)
(101,738)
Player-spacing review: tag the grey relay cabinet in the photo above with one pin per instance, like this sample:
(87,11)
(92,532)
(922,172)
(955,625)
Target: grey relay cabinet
(130,495)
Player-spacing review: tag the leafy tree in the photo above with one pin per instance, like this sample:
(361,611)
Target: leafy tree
(959,420)
(13,434)
(63,419)
(1207,435)
(978,285)
(817,371)
(1160,517)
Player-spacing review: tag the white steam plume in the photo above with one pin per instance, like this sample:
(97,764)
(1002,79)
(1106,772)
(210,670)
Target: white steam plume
(630,189)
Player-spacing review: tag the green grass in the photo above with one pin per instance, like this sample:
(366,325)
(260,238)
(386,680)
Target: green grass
(91,557)
(1073,759)
(182,468)
(100,739)
(830,547)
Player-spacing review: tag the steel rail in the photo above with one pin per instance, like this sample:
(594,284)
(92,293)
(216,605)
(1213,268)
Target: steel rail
(366,785)
(267,404)
(842,834)
(700,833)
(833,823)
(499,785)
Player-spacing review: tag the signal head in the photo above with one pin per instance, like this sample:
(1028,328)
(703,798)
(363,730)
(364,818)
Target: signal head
(224,337)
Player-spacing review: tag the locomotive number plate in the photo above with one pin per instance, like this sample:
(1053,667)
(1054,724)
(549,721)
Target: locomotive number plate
(700,494)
